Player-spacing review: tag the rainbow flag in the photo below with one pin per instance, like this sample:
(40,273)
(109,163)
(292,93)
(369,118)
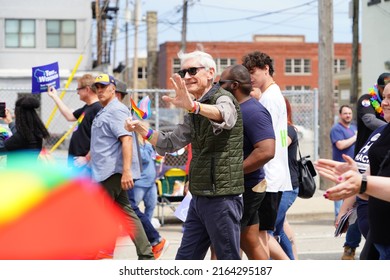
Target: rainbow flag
(159,159)
(51,212)
(79,120)
(142,111)
(4,133)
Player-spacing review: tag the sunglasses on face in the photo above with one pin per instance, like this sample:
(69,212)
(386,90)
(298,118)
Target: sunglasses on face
(192,71)
(221,82)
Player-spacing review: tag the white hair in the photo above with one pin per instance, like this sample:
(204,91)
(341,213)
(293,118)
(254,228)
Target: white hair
(203,58)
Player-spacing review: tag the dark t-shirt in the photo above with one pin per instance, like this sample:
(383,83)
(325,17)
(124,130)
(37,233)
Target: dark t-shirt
(80,141)
(364,107)
(17,143)
(292,156)
(257,127)
(379,210)
(361,157)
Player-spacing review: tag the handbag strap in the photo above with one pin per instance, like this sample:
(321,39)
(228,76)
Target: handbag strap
(299,150)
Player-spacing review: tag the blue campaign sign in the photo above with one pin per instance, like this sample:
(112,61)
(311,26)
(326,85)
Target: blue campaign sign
(45,76)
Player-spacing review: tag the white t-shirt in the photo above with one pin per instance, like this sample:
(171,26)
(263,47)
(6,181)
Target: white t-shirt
(277,172)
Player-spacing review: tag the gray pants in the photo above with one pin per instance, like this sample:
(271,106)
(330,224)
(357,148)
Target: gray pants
(113,186)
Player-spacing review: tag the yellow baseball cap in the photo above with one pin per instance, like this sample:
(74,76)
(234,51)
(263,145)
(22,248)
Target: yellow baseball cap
(105,79)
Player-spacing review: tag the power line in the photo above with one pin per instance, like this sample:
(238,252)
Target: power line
(255,16)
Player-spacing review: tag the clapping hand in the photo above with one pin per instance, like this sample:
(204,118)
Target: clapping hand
(332,170)
(349,184)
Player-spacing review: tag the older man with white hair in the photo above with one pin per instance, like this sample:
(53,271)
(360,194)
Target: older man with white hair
(214,128)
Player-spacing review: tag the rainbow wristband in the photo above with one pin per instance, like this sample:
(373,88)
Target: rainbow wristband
(193,110)
(149,135)
(197,111)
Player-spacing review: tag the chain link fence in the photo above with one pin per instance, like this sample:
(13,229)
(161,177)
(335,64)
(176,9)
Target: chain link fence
(304,106)
(164,117)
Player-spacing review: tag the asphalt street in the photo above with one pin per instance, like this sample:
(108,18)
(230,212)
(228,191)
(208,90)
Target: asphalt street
(311,219)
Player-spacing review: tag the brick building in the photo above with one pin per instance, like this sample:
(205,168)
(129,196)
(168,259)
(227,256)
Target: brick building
(295,61)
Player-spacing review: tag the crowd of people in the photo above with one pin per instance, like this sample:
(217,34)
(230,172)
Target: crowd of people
(370,161)
(243,174)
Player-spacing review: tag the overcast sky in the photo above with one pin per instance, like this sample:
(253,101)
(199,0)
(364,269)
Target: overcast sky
(235,20)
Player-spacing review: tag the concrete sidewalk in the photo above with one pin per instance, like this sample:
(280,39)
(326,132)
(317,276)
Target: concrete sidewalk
(317,206)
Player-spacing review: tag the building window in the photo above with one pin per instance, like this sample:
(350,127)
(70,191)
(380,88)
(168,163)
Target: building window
(61,33)
(19,33)
(176,65)
(339,64)
(142,73)
(298,88)
(297,66)
(223,63)
(373,2)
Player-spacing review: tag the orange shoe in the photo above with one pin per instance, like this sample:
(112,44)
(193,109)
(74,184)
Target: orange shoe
(159,249)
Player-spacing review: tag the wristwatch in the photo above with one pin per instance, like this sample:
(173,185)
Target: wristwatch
(363,185)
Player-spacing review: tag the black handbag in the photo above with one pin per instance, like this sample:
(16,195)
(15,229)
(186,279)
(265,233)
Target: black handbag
(307,184)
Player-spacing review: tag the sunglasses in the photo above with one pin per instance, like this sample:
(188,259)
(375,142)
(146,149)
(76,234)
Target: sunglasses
(80,88)
(192,71)
(221,82)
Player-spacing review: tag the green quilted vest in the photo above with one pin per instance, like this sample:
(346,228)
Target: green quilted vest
(216,168)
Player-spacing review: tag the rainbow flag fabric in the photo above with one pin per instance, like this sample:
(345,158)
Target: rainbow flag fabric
(142,111)
(48,212)
(4,133)
(79,120)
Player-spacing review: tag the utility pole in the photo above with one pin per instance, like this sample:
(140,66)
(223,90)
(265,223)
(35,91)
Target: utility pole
(99,33)
(114,37)
(152,73)
(325,70)
(135,60)
(127,43)
(184,26)
(355,54)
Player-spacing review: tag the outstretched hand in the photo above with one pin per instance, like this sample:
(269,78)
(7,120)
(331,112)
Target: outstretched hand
(183,98)
(332,170)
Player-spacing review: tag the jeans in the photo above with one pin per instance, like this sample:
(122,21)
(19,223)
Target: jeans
(353,236)
(149,196)
(384,251)
(151,233)
(337,206)
(287,200)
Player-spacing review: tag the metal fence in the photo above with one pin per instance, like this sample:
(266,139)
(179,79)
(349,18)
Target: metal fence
(165,116)
(304,106)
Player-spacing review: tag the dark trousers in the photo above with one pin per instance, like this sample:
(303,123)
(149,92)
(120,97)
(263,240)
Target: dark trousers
(212,221)
(369,252)
(132,223)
